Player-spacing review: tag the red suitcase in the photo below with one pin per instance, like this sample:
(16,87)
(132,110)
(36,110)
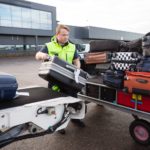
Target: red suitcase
(125,99)
(135,101)
(143,103)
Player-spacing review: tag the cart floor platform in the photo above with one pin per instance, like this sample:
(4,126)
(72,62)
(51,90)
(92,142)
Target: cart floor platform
(36,94)
(96,79)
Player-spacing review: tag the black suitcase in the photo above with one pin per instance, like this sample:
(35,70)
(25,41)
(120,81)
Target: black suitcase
(113,79)
(105,45)
(144,65)
(8,87)
(62,72)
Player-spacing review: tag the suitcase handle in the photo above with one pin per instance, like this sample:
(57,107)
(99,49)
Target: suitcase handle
(70,67)
(142,81)
(48,59)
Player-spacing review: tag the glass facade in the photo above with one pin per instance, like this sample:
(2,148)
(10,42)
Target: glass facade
(14,16)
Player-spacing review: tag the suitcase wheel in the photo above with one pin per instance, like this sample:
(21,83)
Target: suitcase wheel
(140,131)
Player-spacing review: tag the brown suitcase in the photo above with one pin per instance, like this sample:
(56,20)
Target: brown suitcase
(137,82)
(97,58)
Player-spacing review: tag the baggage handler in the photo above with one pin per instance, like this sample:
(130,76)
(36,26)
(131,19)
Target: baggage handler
(61,47)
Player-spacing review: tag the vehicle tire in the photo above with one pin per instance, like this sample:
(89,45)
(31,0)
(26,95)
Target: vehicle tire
(140,131)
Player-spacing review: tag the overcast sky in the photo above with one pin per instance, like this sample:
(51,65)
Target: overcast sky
(127,15)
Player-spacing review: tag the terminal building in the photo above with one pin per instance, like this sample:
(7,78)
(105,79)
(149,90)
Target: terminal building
(24,26)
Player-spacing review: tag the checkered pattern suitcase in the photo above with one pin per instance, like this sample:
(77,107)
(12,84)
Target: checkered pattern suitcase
(126,56)
(125,61)
(123,66)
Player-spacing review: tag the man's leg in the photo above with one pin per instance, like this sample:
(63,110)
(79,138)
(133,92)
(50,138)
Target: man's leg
(51,86)
(73,93)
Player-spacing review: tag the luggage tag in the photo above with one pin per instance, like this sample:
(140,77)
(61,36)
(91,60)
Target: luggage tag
(76,73)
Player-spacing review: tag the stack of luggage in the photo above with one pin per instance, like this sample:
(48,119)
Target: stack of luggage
(100,54)
(130,71)
(102,51)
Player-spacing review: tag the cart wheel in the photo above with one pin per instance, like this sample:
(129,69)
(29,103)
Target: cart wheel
(140,131)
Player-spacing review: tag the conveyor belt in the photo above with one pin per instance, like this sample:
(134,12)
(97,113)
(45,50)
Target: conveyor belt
(35,95)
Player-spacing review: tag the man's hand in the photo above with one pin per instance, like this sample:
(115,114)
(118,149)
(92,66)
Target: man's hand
(41,56)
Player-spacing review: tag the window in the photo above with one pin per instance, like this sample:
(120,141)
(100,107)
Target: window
(5,12)
(26,18)
(19,47)
(35,16)
(30,47)
(7,47)
(6,23)
(14,16)
(16,13)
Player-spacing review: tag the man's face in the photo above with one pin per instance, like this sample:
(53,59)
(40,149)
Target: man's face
(63,36)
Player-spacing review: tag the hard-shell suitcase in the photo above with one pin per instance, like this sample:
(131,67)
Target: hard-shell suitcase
(144,65)
(63,72)
(143,103)
(105,45)
(113,79)
(125,60)
(8,87)
(125,99)
(97,58)
(137,82)
(135,101)
(126,57)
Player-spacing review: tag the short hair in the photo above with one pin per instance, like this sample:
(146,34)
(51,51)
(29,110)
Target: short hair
(61,26)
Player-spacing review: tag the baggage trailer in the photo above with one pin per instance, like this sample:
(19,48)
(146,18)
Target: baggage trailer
(135,104)
(35,112)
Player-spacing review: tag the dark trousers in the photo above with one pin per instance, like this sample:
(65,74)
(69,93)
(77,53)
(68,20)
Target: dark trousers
(64,89)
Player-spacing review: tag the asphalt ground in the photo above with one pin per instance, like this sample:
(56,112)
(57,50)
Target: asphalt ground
(106,129)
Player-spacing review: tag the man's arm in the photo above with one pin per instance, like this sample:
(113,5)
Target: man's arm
(76,60)
(77,63)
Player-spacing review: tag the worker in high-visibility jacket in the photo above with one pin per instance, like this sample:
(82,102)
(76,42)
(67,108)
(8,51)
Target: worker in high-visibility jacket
(61,47)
